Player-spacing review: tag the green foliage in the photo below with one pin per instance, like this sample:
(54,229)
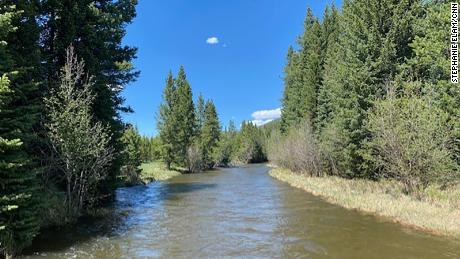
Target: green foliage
(19,208)
(227,146)
(132,155)
(210,134)
(150,149)
(430,65)
(411,142)
(96,30)
(250,144)
(184,112)
(343,69)
(167,121)
(80,143)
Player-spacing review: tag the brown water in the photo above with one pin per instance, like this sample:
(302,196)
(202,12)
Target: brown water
(239,212)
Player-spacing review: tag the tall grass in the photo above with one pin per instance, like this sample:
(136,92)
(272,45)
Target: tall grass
(156,171)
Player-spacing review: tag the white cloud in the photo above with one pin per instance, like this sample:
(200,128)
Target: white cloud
(265,116)
(212,40)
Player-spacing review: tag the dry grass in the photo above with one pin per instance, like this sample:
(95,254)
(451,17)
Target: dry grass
(436,211)
(156,171)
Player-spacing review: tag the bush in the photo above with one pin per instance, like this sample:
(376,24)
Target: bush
(194,159)
(297,151)
(411,142)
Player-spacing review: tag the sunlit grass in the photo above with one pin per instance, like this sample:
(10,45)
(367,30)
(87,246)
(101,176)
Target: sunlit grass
(156,171)
(435,211)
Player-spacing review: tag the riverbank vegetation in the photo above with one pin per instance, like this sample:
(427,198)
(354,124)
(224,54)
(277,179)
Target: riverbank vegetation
(62,69)
(368,98)
(433,210)
(190,135)
(157,171)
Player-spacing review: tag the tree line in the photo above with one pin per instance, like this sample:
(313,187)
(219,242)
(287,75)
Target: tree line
(62,68)
(368,95)
(191,137)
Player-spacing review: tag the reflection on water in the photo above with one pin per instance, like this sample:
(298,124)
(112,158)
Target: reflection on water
(239,212)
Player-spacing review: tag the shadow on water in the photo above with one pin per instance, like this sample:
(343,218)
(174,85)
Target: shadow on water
(113,221)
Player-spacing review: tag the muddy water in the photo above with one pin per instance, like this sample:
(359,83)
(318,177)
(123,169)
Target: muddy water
(239,212)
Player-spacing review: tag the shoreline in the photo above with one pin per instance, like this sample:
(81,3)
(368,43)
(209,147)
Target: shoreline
(382,199)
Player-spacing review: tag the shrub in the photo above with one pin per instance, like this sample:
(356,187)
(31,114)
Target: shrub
(194,158)
(296,151)
(410,141)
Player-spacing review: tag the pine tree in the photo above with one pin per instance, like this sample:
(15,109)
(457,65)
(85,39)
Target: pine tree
(19,219)
(310,67)
(167,122)
(291,98)
(132,142)
(430,65)
(210,134)
(373,42)
(96,30)
(331,29)
(184,113)
(303,75)
(200,113)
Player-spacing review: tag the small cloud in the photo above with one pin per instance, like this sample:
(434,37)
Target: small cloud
(265,116)
(224,45)
(212,40)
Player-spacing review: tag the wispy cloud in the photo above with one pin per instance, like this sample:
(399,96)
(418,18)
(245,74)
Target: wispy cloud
(265,116)
(212,40)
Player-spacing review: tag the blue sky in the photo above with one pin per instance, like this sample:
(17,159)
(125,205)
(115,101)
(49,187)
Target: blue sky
(233,53)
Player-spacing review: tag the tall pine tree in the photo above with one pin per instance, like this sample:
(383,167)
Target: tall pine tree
(184,112)
(167,122)
(372,44)
(95,29)
(210,134)
(19,219)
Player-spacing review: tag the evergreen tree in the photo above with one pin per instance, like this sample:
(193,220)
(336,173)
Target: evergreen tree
(184,113)
(429,67)
(96,30)
(310,67)
(200,113)
(210,134)
(132,142)
(167,122)
(331,29)
(19,219)
(291,98)
(373,41)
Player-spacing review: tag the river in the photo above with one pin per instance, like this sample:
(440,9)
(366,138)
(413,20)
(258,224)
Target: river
(236,212)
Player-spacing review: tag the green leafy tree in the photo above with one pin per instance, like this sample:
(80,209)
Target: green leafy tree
(96,30)
(80,143)
(411,142)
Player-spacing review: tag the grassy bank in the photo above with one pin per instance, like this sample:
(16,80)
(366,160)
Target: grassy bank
(435,211)
(156,171)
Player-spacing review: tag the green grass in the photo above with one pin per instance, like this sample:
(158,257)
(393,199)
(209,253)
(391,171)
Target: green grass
(435,211)
(156,171)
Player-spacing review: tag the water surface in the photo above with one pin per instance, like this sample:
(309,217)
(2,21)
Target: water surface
(238,212)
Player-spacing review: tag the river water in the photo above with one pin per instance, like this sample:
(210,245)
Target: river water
(237,212)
